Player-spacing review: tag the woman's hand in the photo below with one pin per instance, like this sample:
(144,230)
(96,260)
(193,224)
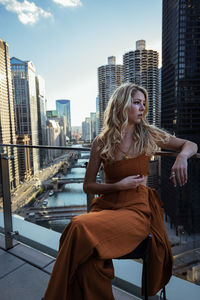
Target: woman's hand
(130,182)
(179,170)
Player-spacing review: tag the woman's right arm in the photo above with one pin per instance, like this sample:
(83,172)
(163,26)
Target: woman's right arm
(91,186)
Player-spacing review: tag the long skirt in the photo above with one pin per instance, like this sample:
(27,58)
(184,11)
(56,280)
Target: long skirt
(83,269)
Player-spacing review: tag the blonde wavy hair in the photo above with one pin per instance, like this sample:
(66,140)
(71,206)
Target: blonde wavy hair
(145,136)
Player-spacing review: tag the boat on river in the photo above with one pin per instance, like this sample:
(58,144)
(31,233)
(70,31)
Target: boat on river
(51,193)
(45,202)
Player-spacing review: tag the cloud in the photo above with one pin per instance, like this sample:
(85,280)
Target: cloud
(68,3)
(28,13)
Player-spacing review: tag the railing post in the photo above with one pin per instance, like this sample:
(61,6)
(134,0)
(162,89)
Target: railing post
(7,210)
(89,199)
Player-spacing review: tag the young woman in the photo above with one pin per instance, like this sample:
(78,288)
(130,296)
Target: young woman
(126,210)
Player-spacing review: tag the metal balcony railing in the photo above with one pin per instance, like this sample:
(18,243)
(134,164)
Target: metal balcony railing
(4,158)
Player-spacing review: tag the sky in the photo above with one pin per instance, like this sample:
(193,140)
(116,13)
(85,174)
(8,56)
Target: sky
(67,40)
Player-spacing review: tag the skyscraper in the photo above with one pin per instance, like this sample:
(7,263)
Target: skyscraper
(97,114)
(63,108)
(86,130)
(40,91)
(25,102)
(110,76)
(7,121)
(54,138)
(93,120)
(141,67)
(181,103)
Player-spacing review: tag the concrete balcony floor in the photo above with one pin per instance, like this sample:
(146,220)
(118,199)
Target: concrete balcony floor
(25,272)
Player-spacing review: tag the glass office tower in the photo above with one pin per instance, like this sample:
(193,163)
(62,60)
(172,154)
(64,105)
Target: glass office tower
(25,102)
(181,103)
(7,120)
(63,109)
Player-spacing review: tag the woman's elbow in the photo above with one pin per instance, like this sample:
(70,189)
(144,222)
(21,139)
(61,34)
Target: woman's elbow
(195,147)
(85,188)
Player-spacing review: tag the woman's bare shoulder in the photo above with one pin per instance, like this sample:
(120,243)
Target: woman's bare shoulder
(97,143)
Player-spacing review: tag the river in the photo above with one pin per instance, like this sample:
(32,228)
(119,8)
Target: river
(72,194)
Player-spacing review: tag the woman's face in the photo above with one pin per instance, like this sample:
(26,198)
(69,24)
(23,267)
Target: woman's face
(136,108)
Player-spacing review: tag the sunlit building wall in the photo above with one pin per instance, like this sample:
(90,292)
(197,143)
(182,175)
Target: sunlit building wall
(25,102)
(53,115)
(7,120)
(54,138)
(40,91)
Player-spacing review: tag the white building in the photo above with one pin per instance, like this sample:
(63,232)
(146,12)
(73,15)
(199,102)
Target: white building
(141,67)
(55,137)
(110,76)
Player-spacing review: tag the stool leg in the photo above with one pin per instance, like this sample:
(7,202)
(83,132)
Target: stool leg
(163,294)
(145,280)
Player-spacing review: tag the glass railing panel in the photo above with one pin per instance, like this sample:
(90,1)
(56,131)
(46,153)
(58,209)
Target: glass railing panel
(182,215)
(51,196)
(49,193)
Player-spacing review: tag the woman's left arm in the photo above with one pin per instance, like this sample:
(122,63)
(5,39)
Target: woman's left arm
(186,149)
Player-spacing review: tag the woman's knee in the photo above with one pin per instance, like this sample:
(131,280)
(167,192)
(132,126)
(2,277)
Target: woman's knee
(78,221)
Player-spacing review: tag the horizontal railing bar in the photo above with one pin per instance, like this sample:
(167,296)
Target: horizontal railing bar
(160,153)
(45,147)
(173,154)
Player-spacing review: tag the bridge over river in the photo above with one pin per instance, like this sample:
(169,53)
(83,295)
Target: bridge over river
(55,212)
(67,180)
(57,183)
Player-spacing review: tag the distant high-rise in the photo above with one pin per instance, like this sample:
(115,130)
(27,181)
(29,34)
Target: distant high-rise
(97,114)
(7,121)
(76,132)
(40,91)
(52,114)
(110,76)
(86,130)
(25,102)
(181,103)
(63,108)
(141,67)
(159,94)
(54,138)
(93,120)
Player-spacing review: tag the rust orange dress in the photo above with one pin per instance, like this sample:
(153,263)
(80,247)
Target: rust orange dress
(117,223)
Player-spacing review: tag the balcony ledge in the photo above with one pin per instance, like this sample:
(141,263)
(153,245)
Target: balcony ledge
(127,272)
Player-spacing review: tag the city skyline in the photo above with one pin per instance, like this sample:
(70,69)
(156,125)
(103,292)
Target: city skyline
(68,44)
